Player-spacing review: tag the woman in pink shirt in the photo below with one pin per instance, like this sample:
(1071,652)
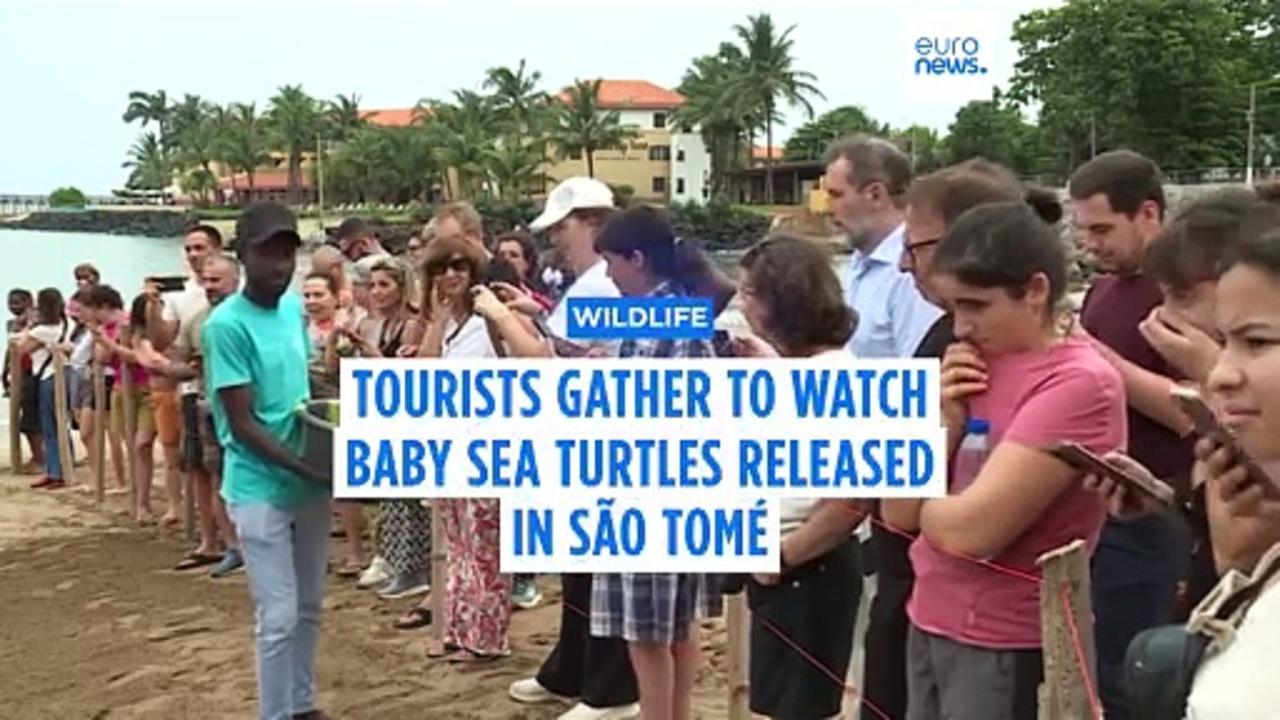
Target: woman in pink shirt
(974,645)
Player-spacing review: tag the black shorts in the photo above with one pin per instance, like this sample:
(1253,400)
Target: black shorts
(200,450)
(813,607)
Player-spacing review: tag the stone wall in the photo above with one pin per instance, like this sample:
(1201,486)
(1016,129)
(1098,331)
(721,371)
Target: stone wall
(147,223)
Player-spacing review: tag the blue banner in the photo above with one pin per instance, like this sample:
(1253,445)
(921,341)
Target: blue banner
(642,318)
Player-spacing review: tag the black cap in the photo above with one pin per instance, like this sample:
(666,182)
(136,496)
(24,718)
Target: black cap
(262,221)
(352,228)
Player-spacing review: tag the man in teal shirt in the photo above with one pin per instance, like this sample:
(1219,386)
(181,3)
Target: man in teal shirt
(255,345)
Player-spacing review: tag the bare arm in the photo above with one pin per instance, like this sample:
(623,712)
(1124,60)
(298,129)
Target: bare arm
(238,403)
(432,340)
(829,525)
(1015,487)
(160,332)
(902,514)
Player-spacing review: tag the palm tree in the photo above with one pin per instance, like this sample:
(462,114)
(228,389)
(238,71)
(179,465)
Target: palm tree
(151,169)
(515,167)
(460,133)
(244,141)
(769,76)
(150,108)
(195,125)
(294,118)
(342,115)
(713,104)
(584,128)
(516,97)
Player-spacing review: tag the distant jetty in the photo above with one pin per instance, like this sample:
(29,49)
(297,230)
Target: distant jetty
(146,223)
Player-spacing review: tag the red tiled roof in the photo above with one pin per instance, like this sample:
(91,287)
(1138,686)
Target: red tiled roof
(634,94)
(760,152)
(390,117)
(264,180)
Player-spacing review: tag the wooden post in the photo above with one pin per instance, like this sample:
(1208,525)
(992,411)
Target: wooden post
(737,619)
(15,410)
(60,411)
(439,569)
(100,419)
(1067,634)
(128,407)
(188,503)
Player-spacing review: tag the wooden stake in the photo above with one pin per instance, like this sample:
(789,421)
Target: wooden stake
(100,419)
(15,410)
(1064,695)
(188,484)
(128,407)
(439,569)
(60,418)
(737,618)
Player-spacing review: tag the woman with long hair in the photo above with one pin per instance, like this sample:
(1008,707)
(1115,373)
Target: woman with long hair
(1014,385)
(792,299)
(645,258)
(50,333)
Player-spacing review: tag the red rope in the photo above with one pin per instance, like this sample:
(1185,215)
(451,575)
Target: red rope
(1094,703)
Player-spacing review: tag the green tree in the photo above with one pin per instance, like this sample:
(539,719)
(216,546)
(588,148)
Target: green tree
(810,141)
(516,98)
(295,120)
(922,145)
(195,126)
(1164,78)
(515,167)
(244,141)
(149,164)
(150,109)
(67,197)
(724,117)
(342,116)
(584,127)
(462,133)
(770,77)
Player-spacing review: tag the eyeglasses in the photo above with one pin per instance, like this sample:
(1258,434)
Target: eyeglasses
(458,265)
(910,248)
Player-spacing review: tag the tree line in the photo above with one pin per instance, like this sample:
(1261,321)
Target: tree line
(1168,78)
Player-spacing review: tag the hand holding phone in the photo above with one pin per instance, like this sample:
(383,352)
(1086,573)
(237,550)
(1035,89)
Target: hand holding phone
(168,283)
(1132,478)
(1207,426)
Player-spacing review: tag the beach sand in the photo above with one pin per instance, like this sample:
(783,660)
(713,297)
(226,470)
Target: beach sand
(96,625)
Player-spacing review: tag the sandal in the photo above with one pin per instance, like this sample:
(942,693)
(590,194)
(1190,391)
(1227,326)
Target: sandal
(195,560)
(468,657)
(413,619)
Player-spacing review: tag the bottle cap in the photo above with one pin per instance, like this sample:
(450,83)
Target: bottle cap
(977,426)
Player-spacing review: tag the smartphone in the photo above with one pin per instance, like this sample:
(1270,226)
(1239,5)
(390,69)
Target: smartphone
(722,344)
(169,283)
(1207,425)
(1085,460)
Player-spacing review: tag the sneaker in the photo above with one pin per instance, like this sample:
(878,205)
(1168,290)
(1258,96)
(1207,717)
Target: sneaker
(582,711)
(231,562)
(403,586)
(530,692)
(378,573)
(525,595)
(42,483)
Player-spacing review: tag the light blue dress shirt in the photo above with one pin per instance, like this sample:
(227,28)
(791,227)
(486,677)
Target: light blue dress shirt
(893,316)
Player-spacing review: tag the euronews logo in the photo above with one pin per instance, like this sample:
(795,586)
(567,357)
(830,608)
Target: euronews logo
(948,56)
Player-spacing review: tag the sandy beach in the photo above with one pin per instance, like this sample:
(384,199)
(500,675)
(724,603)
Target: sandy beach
(97,626)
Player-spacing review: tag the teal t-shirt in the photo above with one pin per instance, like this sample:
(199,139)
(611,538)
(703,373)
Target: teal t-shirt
(266,349)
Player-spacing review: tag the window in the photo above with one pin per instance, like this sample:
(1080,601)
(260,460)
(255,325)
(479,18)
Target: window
(686,129)
(659,152)
(706,192)
(680,155)
(659,185)
(659,120)
(679,186)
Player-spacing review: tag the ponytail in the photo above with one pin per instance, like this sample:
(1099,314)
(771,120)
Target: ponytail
(1045,203)
(682,262)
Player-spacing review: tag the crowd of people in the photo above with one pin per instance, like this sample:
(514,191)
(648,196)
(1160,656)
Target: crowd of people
(966,265)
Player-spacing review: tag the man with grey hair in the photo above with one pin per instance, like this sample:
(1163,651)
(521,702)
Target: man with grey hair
(866,182)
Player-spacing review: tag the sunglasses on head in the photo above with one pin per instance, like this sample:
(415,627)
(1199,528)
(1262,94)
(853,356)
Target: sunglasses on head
(460,265)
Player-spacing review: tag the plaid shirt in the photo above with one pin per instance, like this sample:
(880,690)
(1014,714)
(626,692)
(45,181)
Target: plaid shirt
(665,348)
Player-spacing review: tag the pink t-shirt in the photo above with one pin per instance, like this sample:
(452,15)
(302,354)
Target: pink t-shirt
(1066,393)
(138,374)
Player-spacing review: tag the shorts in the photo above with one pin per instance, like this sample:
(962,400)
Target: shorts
(947,679)
(164,403)
(144,421)
(200,449)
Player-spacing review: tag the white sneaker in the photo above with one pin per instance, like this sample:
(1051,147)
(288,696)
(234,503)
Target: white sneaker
(586,712)
(378,573)
(530,692)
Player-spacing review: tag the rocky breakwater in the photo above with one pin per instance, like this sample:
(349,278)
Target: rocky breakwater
(146,223)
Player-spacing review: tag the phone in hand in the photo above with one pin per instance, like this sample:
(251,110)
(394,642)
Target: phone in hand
(1207,425)
(168,283)
(722,344)
(1085,460)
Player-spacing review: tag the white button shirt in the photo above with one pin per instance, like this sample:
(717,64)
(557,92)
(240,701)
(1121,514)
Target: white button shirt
(893,316)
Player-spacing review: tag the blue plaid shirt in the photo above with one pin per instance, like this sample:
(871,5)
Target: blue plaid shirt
(665,348)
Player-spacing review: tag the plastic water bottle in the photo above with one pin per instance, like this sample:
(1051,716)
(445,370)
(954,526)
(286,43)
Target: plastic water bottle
(971,454)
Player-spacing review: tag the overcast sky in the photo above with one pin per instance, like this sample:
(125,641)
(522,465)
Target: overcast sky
(69,66)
